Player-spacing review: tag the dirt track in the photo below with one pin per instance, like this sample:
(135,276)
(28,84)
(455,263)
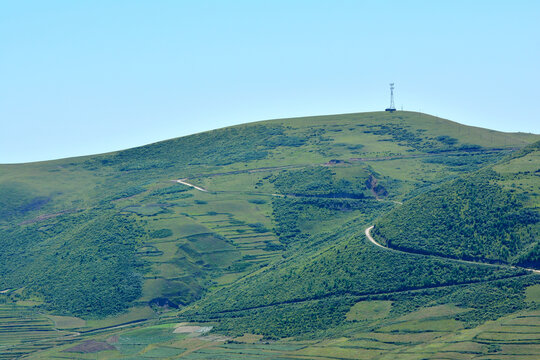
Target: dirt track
(183,182)
(370,238)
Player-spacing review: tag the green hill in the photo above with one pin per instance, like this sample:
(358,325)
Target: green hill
(489,215)
(271,242)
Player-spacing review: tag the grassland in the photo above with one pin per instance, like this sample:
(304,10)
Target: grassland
(272,256)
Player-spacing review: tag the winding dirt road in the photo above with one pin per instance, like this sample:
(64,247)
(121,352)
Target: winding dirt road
(372,240)
(368,235)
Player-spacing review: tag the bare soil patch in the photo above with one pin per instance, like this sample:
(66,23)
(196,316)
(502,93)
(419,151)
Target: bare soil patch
(184,328)
(90,346)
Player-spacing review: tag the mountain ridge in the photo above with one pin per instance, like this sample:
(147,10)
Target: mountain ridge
(277,120)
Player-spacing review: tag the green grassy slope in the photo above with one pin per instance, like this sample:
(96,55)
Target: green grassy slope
(491,215)
(314,291)
(274,247)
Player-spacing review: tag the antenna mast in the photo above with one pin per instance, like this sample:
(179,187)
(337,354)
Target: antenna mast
(392,107)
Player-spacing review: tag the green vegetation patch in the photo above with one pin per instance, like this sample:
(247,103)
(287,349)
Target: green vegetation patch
(532,294)
(219,147)
(468,218)
(17,199)
(369,310)
(127,193)
(146,209)
(317,181)
(209,242)
(162,352)
(173,189)
(98,271)
(161,233)
(67,322)
(147,335)
(450,325)
(136,341)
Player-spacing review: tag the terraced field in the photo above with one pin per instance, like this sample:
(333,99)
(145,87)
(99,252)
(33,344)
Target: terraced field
(429,333)
(24,331)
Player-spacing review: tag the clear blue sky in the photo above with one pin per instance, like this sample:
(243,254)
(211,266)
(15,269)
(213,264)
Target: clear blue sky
(84,77)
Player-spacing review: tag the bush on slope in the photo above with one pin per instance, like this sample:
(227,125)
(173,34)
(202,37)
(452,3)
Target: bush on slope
(83,264)
(468,218)
(287,293)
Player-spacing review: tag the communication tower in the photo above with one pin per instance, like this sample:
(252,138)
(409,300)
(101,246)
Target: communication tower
(392,107)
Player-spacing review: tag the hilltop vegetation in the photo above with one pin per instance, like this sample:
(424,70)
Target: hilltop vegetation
(473,217)
(220,147)
(275,246)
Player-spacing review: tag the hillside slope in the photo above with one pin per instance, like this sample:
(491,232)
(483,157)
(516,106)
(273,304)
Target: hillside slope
(274,245)
(489,215)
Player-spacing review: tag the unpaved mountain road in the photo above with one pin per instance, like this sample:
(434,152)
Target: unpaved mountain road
(355,160)
(350,160)
(370,238)
(183,182)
